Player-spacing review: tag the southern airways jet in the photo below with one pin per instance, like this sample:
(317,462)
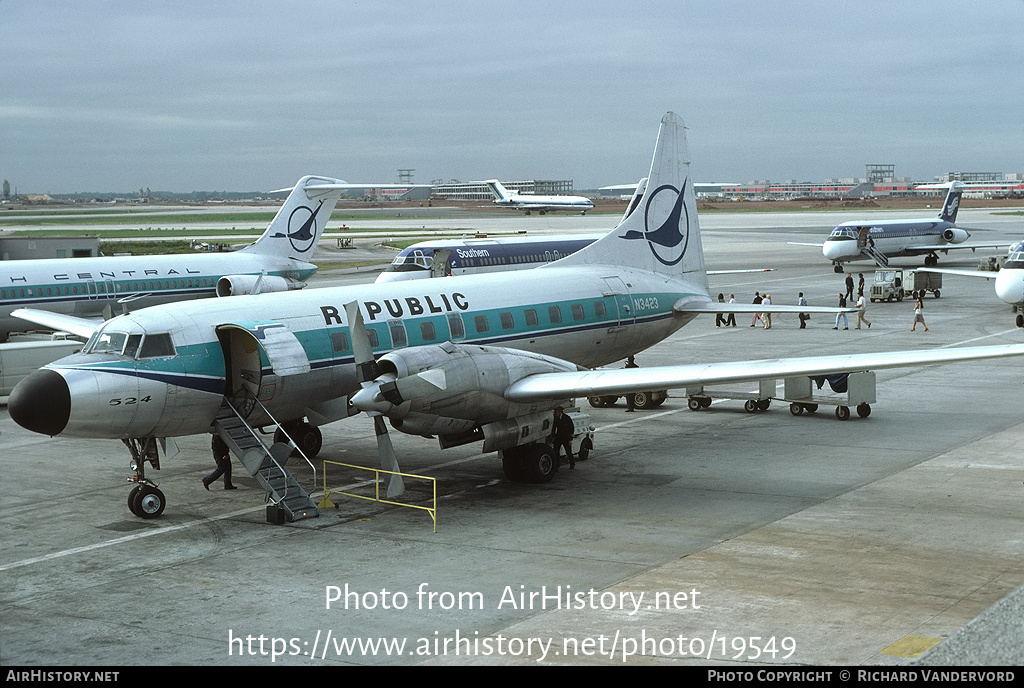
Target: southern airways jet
(884,239)
(542,204)
(85,287)
(464,360)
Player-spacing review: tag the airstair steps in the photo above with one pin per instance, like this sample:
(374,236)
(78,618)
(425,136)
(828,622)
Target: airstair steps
(281,487)
(881,260)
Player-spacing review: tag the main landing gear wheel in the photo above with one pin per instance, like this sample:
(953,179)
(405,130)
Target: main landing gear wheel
(147,502)
(837,268)
(540,465)
(531,463)
(1020,320)
(843,412)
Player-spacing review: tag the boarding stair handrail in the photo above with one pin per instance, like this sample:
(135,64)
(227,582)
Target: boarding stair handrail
(293,443)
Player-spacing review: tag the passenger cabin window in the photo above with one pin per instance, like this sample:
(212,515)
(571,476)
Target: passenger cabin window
(157,345)
(455,327)
(398,336)
(599,309)
(481,323)
(507,323)
(427,331)
(531,317)
(339,341)
(577,311)
(555,315)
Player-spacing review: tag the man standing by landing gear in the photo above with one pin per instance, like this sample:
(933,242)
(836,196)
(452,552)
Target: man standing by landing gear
(562,431)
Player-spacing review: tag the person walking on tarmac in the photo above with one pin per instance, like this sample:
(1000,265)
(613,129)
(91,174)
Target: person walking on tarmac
(918,315)
(562,430)
(222,455)
(842,304)
(861,308)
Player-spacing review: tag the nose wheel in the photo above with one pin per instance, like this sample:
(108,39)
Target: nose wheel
(146,501)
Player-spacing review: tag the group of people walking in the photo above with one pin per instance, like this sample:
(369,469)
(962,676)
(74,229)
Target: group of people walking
(765,317)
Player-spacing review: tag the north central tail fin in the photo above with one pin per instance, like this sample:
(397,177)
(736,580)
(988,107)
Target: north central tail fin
(296,229)
(952,203)
(662,234)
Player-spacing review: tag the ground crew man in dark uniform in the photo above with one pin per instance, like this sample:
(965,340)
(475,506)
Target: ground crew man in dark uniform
(562,431)
(222,455)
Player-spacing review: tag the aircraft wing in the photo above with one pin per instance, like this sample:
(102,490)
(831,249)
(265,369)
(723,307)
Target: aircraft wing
(987,274)
(338,184)
(588,383)
(946,247)
(58,321)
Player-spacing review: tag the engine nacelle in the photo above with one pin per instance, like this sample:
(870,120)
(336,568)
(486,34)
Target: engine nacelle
(240,285)
(469,382)
(954,235)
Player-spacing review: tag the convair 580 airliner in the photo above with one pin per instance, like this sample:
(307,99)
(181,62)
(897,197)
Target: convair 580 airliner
(462,360)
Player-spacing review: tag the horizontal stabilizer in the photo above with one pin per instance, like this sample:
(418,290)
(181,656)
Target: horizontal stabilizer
(739,272)
(58,321)
(689,306)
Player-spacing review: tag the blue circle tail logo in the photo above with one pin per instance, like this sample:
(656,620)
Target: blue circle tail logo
(669,237)
(302,238)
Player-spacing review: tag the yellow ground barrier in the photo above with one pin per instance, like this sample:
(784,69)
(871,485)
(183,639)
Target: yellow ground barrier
(326,502)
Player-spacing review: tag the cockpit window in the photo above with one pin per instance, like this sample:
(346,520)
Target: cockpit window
(1016,253)
(106,343)
(155,345)
(132,347)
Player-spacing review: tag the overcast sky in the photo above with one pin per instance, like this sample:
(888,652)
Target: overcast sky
(203,95)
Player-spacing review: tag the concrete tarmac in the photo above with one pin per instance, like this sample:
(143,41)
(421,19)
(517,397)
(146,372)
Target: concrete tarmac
(712,537)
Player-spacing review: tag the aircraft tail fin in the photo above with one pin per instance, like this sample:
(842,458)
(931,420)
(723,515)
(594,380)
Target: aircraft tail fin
(662,233)
(296,229)
(502,194)
(952,203)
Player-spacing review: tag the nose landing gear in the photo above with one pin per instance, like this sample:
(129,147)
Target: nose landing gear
(145,499)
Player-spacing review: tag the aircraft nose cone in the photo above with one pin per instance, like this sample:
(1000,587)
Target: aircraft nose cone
(41,402)
(1010,285)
